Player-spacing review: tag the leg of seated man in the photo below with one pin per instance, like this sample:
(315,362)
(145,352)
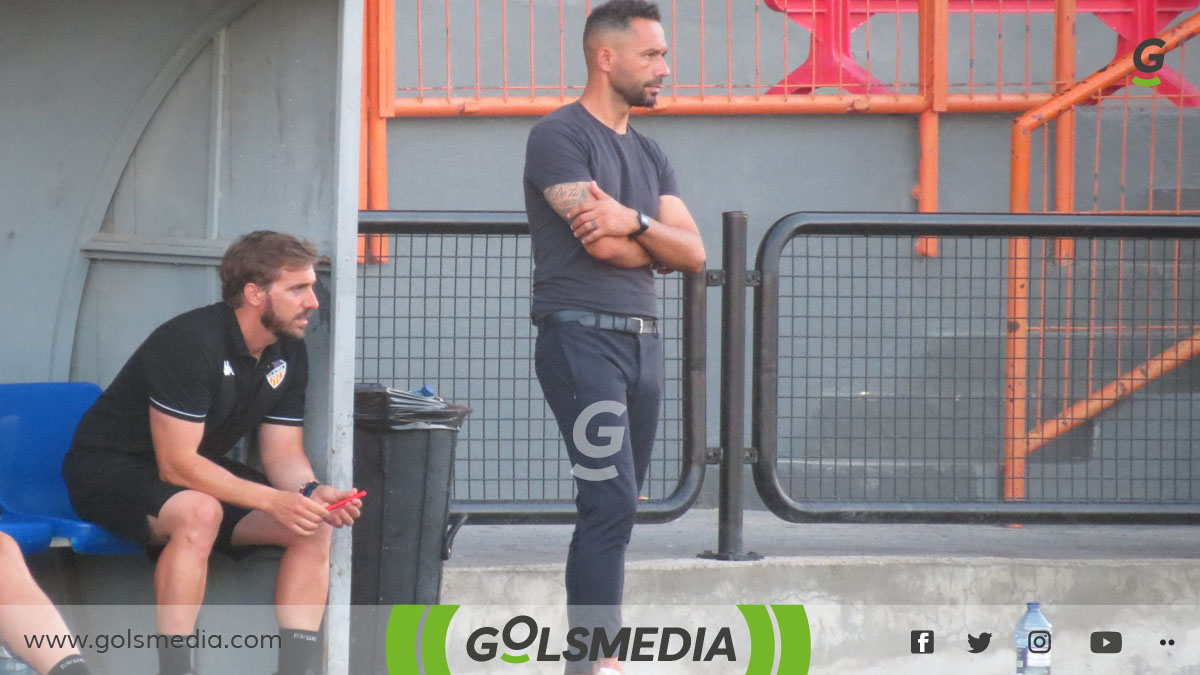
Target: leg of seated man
(26,611)
(301,587)
(188,525)
(124,493)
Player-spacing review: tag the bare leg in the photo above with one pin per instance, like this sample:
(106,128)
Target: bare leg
(188,523)
(302,586)
(26,611)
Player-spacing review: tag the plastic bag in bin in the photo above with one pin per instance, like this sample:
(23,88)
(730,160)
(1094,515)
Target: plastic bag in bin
(381,408)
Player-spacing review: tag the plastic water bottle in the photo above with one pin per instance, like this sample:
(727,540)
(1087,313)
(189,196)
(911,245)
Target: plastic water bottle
(1033,642)
(11,665)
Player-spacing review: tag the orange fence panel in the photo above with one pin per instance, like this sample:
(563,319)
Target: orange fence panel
(1077,313)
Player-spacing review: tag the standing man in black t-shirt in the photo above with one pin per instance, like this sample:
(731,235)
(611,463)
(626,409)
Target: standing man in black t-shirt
(148,458)
(604,213)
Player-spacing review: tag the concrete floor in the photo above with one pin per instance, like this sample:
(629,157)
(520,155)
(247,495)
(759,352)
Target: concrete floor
(696,531)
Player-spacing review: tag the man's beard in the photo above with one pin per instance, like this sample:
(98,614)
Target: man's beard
(637,96)
(279,328)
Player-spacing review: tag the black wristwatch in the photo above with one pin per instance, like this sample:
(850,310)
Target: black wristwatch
(308,488)
(643,222)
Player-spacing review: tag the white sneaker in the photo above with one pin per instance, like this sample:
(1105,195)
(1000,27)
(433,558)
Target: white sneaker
(608,671)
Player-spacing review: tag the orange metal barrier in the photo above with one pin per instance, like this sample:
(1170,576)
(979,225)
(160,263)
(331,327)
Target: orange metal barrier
(521,57)
(1029,426)
(1097,91)
(378,67)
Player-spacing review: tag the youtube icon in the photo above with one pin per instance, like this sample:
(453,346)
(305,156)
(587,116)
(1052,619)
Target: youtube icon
(1106,642)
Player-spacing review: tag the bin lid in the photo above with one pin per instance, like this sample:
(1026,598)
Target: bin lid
(382,408)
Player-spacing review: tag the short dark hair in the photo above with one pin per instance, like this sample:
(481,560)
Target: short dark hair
(616,15)
(258,258)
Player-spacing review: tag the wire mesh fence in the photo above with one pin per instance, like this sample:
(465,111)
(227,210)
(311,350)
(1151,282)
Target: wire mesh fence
(911,379)
(451,310)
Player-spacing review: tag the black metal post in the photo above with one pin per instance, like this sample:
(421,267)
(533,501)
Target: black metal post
(733,391)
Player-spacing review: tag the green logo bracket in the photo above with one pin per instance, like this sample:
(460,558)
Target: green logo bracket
(783,625)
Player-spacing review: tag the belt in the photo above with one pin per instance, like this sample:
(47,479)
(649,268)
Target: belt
(634,325)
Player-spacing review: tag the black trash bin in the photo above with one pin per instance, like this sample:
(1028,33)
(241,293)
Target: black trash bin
(404,459)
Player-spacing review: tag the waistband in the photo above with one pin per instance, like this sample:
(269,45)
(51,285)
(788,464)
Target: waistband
(634,325)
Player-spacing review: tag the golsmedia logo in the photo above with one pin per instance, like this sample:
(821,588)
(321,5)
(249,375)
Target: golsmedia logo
(643,643)
(1149,64)
(768,639)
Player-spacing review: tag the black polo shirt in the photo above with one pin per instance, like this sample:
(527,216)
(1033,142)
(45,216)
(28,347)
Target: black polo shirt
(196,367)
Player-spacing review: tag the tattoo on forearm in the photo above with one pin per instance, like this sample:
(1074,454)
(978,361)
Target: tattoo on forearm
(566,196)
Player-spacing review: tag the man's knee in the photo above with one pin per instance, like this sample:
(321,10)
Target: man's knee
(608,504)
(192,517)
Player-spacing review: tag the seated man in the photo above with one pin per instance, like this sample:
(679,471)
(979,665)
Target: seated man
(148,458)
(25,611)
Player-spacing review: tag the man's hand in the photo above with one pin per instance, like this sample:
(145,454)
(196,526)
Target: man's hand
(296,512)
(343,515)
(601,217)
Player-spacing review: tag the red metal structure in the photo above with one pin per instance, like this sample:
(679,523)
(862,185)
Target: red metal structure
(831,63)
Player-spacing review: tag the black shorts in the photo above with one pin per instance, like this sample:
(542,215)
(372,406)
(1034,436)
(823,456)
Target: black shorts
(118,490)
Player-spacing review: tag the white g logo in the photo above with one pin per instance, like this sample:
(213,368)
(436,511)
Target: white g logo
(615,436)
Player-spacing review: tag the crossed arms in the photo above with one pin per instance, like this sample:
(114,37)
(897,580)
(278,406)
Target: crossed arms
(603,226)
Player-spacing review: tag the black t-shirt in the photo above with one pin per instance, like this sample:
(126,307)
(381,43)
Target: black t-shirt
(196,367)
(567,146)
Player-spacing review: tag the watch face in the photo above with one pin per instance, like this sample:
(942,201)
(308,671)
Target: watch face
(643,220)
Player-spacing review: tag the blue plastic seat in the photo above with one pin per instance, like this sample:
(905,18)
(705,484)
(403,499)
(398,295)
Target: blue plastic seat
(32,535)
(37,422)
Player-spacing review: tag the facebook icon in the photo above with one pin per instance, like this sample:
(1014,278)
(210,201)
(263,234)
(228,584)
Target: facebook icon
(922,642)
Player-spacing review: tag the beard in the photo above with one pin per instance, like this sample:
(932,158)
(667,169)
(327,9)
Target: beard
(636,94)
(279,328)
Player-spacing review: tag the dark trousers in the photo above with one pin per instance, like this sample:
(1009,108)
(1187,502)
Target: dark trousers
(604,388)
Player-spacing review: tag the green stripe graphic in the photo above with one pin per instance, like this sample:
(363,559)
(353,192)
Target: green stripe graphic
(795,639)
(433,639)
(403,631)
(762,639)
(403,627)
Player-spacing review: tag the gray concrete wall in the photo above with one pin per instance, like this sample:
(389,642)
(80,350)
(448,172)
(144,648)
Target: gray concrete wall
(139,139)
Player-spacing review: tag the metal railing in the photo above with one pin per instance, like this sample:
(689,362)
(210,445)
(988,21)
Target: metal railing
(449,307)
(885,384)
(1134,157)
(523,57)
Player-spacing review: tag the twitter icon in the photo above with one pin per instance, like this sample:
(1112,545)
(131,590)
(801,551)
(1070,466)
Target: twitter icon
(979,644)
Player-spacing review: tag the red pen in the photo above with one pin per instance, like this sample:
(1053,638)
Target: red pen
(340,503)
